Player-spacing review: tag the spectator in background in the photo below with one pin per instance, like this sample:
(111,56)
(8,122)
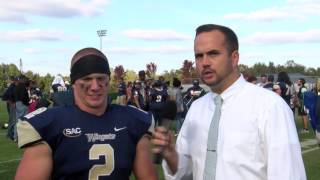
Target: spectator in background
(269,84)
(162,80)
(277,89)
(166,86)
(62,97)
(302,110)
(287,88)
(137,97)
(67,84)
(43,101)
(8,96)
(142,80)
(148,88)
(246,75)
(176,95)
(252,79)
(34,89)
(22,99)
(158,96)
(57,82)
(263,80)
(193,93)
(129,93)
(33,103)
(310,98)
(121,98)
(37,91)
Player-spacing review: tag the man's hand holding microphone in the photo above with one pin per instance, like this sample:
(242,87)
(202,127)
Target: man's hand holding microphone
(163,139)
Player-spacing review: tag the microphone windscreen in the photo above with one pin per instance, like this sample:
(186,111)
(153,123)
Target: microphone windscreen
(169,110)
(168,114)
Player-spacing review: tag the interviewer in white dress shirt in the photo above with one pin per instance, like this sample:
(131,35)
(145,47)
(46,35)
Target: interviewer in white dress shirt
(257,137)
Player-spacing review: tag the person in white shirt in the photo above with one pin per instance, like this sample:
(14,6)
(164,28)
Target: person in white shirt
(57,83)
(257,137)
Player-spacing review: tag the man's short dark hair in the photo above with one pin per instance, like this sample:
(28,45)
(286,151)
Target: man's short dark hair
(176,82)
(142,73)
(231,39)
(302,80)
(284,77)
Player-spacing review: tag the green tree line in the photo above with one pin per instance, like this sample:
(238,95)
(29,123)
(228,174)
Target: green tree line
(11,70)
(270,68)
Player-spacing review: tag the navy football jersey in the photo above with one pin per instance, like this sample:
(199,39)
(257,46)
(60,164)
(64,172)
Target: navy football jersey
(157,99)
(158,95)
(137,93)
(121,89)
(85,146)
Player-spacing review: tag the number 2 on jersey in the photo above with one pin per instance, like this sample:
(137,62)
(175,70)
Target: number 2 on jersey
(106,169)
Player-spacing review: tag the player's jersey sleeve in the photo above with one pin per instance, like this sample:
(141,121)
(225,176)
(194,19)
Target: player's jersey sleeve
(141,122)
(36,127)
(27,135)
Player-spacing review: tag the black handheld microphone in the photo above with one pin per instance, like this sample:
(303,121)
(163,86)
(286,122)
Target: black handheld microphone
(168,113)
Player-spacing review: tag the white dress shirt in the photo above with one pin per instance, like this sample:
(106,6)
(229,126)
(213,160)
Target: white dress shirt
(257,137)
(58,80)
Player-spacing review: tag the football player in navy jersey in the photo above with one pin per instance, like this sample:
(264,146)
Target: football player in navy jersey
(90,139)
(158,95)
(137,97)
(121,98)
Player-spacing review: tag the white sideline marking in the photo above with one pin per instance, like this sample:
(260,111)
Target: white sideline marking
(310,150)
(12,160)
(308,142)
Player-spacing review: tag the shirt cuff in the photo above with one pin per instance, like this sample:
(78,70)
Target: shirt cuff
(167,172)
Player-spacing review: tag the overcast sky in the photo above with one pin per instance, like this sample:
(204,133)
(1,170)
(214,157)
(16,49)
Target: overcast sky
(46,33)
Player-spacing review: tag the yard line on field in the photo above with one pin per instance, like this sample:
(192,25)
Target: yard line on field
(310,150)
(3,171)
(11,160)
(2,133)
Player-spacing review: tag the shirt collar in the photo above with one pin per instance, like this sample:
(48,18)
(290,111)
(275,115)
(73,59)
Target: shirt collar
(232,90)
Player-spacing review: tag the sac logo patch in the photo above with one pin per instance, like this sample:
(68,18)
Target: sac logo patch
(72,132)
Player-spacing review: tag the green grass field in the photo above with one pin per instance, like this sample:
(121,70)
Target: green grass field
(10,154)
